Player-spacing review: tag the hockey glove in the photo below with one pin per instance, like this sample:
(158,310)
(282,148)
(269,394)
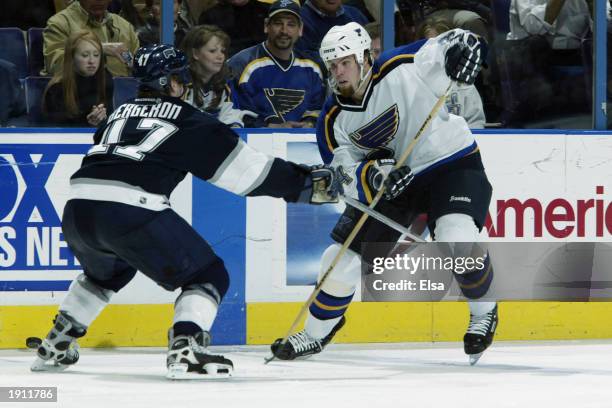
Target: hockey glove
(322,185)
(465,57)
(395,180)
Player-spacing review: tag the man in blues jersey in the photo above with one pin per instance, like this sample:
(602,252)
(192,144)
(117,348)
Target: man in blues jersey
(118,217)
(376,111)
(280,84)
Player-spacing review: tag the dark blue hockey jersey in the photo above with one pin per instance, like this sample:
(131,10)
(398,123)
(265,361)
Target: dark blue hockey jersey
(152,143)
(277,93)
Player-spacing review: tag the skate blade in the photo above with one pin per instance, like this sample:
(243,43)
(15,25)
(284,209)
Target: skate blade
(47,365)
(214,371)
(474,358)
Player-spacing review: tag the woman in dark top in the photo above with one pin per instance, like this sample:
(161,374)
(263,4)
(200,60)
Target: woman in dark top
(81,93)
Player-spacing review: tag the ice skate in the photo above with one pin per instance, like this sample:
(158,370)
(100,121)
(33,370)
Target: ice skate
(302,345)
(59,349)
(479,335)
(189,359)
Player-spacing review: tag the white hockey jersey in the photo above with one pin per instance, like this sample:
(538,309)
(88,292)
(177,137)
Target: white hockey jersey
(401,94)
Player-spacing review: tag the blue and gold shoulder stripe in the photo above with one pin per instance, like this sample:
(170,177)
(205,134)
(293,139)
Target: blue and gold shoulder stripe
(326,138)
(389,60)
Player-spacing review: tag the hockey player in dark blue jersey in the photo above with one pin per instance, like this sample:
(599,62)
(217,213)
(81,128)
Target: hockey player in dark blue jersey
(118,217)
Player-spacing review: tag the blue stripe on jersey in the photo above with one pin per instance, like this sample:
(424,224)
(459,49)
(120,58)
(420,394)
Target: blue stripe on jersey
(326,306)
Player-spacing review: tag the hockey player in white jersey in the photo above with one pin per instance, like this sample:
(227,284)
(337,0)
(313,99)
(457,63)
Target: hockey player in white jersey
(375,113)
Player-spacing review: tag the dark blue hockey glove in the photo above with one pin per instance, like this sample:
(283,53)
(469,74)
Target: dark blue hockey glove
(322,187)
(395,180)
(466,57)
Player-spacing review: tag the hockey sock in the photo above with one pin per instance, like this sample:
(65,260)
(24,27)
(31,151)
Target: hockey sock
(478,308)
(325,312)
(195,306)
(85,300)
(475,283)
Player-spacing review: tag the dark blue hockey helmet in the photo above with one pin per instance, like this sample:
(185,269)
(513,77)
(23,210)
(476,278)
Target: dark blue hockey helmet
(153,66)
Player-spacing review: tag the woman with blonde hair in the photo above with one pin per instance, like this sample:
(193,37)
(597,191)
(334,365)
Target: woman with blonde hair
(81,93)
(206,47)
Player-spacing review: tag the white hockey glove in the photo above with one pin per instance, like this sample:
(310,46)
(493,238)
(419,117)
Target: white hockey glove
(465,57)
(322,185)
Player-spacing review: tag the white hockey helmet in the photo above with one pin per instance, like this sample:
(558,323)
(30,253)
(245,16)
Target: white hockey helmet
(348,39)
(342,41)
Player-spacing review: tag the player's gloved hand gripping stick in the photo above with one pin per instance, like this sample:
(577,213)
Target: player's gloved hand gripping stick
(362,220)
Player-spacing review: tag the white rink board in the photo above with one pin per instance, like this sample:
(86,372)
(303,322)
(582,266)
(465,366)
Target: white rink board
(550,168)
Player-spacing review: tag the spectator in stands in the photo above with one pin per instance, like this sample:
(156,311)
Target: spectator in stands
(240,19)
(206,47)
(564,23)
(373,30)
(26,14)
(463,100)
(281,85)
(82,92)
(544,37)
(473,15)
(118,38)
(149,31)
(12,100)
(321,15)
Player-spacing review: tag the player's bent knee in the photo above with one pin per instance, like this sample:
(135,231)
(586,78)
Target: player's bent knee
(343,279)
(456,228)
(85,300)
(474,277)
(214,276)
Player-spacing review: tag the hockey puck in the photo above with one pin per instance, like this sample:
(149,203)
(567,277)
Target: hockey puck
(33,342)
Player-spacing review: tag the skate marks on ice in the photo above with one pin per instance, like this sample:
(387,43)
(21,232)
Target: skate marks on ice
(341,362)
(570,374)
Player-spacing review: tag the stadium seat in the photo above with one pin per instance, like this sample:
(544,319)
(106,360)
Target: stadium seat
(36,60)
(35,86)
(124,89)
(13,49)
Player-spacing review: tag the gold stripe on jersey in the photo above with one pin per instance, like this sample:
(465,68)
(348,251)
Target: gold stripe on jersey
(330,117)
(392,63)
(251,66)
(364,183)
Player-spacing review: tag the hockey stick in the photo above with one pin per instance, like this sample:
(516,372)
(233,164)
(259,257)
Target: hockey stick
(362,220)
(378,216)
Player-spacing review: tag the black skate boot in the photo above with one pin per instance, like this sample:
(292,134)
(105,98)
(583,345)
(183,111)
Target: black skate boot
(301,344)
(60,348)
(479,335)
(189,359)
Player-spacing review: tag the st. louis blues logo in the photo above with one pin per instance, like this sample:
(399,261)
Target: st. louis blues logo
(379,132)
(283,100)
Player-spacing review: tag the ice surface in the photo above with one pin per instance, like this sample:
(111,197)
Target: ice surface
(510,374)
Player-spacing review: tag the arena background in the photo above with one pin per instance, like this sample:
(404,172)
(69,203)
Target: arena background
(548,186)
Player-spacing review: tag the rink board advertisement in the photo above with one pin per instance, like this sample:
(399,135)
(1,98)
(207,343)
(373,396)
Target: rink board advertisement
(548,187)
